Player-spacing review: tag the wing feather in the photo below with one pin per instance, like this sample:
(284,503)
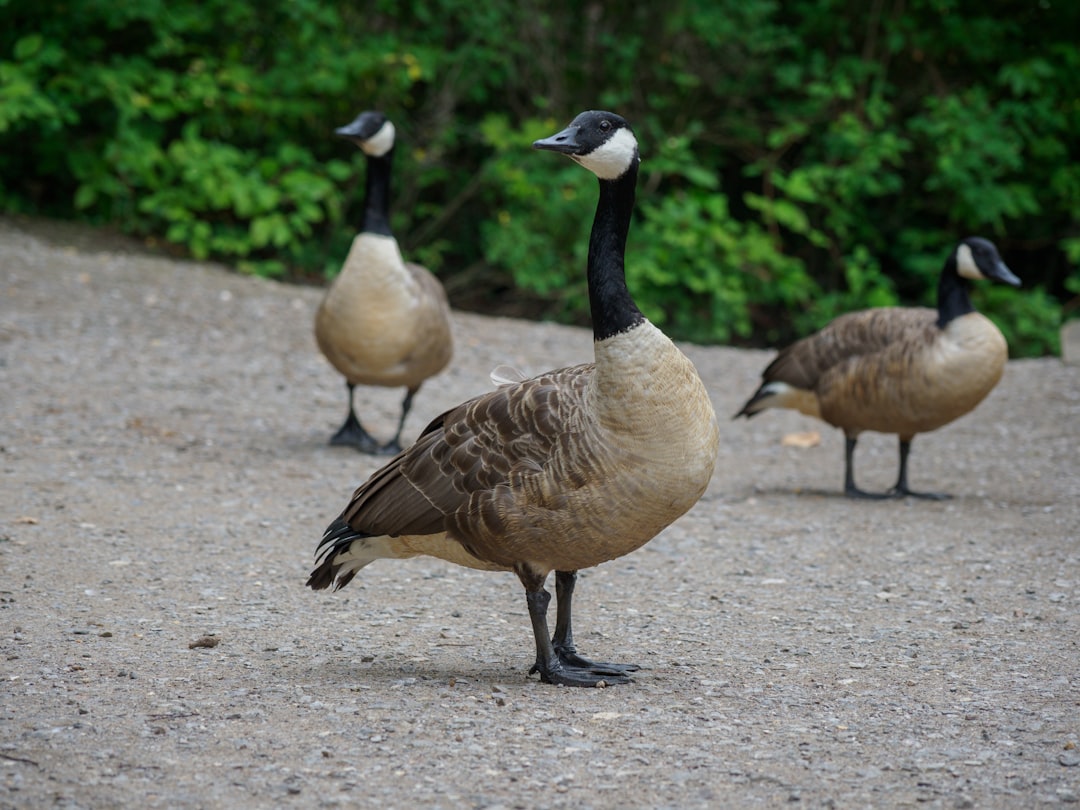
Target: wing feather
(469,457)
(854,335)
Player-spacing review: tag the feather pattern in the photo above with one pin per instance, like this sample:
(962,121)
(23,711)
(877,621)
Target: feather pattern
(551,471)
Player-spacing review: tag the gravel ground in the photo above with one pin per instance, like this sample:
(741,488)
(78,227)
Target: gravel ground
(166,478)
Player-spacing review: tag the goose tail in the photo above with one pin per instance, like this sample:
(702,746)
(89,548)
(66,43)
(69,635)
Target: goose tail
(342,552)
(780,395)
(762,399)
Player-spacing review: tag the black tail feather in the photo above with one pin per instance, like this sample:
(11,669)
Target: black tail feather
(757,397)
(337,537)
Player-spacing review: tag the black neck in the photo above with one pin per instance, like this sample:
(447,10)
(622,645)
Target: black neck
(377,196)
(613,310)
(953,300)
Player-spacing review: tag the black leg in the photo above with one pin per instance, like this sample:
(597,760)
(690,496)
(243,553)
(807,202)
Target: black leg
(563,640)
(901,490)
(352,433)
(551,667)
(393,447)
(850,489)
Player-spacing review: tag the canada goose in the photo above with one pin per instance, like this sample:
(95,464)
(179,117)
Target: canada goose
(902,370)
(383,321)
(561,471)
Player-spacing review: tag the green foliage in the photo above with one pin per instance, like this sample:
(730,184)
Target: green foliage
(1022,318)
(801,159)
(545,260)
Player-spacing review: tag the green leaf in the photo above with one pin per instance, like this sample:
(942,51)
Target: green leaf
(85,196)
(28,46)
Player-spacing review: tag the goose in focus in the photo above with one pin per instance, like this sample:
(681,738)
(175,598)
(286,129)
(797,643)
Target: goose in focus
(383,321)
(557,472)
(902,370)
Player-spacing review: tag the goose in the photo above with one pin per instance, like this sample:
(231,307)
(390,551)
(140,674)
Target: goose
(558,472)
(902,370)
(383,321)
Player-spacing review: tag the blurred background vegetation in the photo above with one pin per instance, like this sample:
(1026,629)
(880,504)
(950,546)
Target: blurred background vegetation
(800,159)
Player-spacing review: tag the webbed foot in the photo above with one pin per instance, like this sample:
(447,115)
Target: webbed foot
(352,434)
(589,676)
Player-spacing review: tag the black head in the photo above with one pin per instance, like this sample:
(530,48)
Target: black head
(978,258)
(602,142)
(371,131)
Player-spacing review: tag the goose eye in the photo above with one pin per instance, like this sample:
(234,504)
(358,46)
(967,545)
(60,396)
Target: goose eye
(605,125)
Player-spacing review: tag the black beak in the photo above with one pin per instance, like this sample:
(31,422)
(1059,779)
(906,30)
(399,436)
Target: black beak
(364,126)
(1004,274)
(565,142)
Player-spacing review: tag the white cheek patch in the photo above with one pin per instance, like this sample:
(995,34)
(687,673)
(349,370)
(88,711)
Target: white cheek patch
(611,159)
(965,264)
(381,142)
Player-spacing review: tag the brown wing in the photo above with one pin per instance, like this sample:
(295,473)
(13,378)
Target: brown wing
(857,334)
(466,453)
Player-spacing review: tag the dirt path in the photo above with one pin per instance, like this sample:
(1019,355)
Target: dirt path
(165,478)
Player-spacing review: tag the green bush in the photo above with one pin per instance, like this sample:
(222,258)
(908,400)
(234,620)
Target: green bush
(800,159)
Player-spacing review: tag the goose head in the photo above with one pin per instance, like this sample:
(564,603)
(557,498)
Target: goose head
(978,258)
(372,131)
(600,141)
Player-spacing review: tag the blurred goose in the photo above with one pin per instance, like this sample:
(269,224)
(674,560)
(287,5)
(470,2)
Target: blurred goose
(383,321)
(896,369)
(561,471)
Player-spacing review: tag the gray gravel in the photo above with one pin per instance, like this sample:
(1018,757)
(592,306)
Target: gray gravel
(166,478)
